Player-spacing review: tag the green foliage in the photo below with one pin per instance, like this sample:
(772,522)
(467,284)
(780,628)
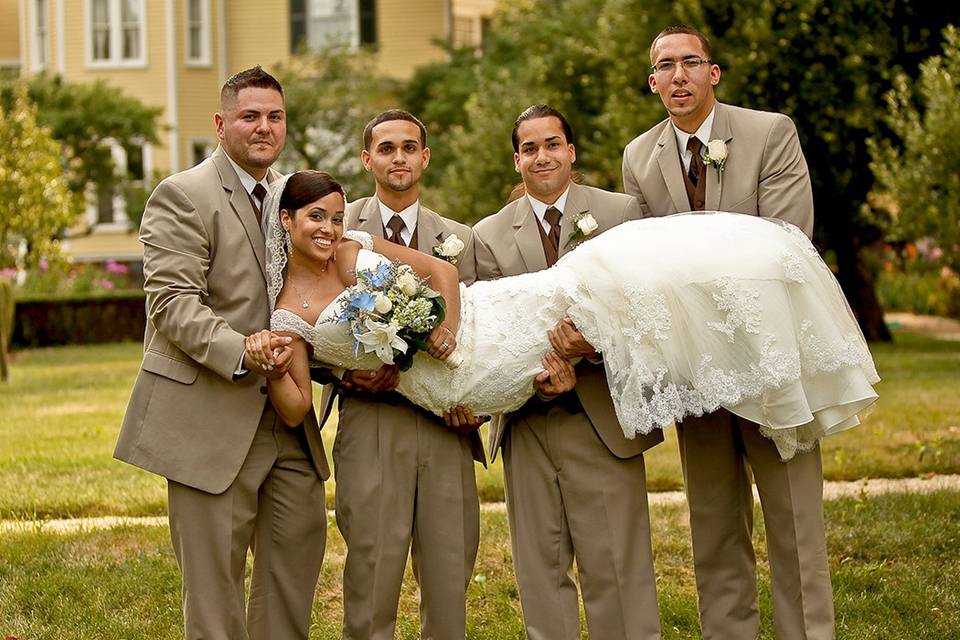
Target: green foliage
(919,174)
(331,94)
(82,116)
(36,204)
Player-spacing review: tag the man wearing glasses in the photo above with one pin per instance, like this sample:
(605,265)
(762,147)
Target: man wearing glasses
(710,156)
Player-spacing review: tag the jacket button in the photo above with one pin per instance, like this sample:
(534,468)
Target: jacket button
(263,389)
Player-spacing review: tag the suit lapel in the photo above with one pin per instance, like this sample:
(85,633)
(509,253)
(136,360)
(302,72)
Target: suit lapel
(369,219)
(575,206)
(528,237)
(242,206)
(669,160)
(430,230)
(721,130)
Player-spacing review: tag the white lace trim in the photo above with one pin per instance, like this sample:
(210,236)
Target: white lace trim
(364,238)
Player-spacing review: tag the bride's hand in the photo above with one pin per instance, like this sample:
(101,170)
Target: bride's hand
(263,351)
(441,342)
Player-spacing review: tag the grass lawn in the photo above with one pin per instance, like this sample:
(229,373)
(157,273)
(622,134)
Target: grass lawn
(895,562)
(61,410)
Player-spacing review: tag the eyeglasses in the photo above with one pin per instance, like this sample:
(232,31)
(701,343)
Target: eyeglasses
(668,67)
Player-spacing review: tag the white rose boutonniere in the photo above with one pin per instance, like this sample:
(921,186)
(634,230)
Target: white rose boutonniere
(716,155)
(450,249)
(584,224)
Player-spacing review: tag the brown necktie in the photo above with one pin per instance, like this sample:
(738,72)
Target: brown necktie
(395,226)
(259,193)
(553,215)
(697,168)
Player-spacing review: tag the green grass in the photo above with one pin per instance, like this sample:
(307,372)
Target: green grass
(61,410)
(895,562)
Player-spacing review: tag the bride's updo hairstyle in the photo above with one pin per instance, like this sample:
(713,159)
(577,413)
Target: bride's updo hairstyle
(304,187)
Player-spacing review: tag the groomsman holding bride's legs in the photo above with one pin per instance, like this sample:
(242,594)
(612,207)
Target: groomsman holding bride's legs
(712,156)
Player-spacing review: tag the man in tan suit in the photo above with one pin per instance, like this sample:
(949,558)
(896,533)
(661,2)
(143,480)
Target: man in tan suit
(237,476)
(764,173)
(575,486)
(405,481)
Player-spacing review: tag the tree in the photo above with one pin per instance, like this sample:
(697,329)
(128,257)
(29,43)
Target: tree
(36,204)
(82,117)
(827,64)
(331,94)
(919,172)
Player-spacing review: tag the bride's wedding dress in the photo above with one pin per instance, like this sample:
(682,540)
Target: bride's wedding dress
(690,313)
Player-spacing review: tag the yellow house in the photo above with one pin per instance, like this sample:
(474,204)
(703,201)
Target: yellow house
(176,53)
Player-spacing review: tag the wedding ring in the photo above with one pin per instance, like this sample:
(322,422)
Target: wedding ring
(444,345)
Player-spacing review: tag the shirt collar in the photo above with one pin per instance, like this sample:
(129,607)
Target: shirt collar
(248,181)
(540,208)
(702,133)
(408,215)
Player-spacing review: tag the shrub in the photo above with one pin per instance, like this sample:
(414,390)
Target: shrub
(79,319)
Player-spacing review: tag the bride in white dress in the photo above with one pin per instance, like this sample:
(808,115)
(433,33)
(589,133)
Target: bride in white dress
(690,314)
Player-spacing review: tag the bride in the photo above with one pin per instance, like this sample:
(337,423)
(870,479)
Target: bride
(689,314)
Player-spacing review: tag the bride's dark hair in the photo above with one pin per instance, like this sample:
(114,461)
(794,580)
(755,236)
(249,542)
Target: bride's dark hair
(305,187)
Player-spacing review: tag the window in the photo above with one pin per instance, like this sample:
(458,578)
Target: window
(198,32)
(117,30)
(200,150)
(319,23)
(41,39)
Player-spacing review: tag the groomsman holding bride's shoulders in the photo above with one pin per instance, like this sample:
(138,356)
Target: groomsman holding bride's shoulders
(405,479)
(712,156)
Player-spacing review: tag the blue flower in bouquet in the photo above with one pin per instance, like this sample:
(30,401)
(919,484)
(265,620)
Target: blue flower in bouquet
(363,301)
(382,277)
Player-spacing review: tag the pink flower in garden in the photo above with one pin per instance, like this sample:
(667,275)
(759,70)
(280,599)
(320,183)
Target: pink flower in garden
(936,253)
(113,266)
(9,272)
(105,284)
(44,265)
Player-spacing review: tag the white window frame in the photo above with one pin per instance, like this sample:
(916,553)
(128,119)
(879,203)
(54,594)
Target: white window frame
(115,61)
(205,57)
(40,48)
(208,143)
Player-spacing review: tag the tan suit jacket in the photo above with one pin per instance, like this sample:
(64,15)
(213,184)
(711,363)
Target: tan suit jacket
(188,419)
(765,172)
(432,229)
(507,244)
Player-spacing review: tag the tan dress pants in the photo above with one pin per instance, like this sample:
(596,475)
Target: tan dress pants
(276,507)
(716,451)
(405,484)
(569,497)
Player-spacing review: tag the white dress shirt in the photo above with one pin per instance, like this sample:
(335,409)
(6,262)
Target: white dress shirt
(702,134)
(408,215)
(540,208)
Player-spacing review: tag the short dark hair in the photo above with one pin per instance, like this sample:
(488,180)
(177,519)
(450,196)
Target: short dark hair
(304,187)
(675,29)
(389,115)
(253,77)
(535,111)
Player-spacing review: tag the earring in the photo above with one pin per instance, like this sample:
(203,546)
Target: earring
(289,243)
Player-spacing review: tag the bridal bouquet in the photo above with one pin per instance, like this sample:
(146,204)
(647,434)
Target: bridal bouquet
(391,311)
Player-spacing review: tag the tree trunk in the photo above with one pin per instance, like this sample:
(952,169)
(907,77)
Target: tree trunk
(857,284)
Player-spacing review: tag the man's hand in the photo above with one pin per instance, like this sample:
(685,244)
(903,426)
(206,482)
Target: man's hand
(568,342)
(383,379)
(462,420)
(558,377)
(267,354)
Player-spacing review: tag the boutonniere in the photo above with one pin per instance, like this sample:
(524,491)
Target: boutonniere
(583,225)
(716,155)
(450,249)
